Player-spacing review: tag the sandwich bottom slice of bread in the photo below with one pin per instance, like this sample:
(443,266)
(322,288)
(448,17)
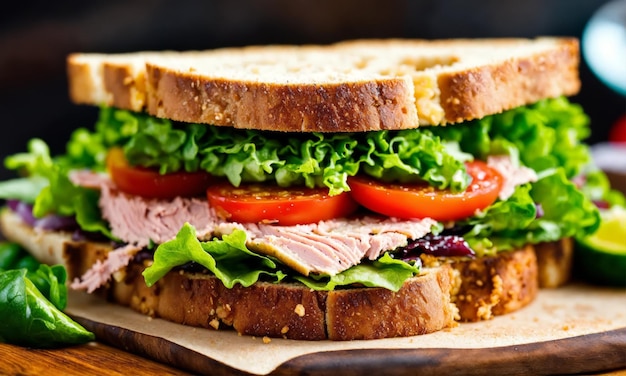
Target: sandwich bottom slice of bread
(447,291)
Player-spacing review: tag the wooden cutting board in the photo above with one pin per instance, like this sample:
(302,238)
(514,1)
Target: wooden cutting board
(574,329)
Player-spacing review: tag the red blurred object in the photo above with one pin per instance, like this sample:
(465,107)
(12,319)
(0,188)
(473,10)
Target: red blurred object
(617,133)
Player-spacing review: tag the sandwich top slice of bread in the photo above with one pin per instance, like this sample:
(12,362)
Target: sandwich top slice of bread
(360,85)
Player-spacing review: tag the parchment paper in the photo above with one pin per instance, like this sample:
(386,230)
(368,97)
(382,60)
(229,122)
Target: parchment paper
(560,313)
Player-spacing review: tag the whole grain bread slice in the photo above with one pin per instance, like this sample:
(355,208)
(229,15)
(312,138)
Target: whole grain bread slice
(360,85)
(493,285)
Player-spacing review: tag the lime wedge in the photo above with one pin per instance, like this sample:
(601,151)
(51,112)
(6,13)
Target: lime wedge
(601,257)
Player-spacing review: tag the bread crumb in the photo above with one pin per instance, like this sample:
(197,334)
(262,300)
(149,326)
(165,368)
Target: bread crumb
(215,324)
(223,311)
(565,327)
(299,310)
(284,330)
(119,275)
(266,339)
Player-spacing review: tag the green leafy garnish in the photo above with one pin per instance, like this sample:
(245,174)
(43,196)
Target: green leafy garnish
(288,159)
(32,297)
(546,137)
(49,188)
(385,272)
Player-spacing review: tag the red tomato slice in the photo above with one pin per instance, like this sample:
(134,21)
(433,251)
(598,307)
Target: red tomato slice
(255,203)
(420,201)
(150,183)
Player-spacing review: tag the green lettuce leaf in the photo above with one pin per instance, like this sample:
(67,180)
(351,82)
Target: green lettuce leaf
(546,137)
(23,189)
(88,148)
(513,223)
(287,159)
(597,187)
(385,272)
(59,196)
(227,258)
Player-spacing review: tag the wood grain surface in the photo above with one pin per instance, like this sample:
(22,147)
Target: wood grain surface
(99,359)
(91,359)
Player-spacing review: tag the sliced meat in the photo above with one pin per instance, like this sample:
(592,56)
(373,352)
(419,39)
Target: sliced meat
(378,234)
(302,257)
(101,272)
(138,221)
(304,251)
(89,179)
(331,247)
(512,174)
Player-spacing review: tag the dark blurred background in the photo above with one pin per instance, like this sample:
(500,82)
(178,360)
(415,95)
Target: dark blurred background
(36,36)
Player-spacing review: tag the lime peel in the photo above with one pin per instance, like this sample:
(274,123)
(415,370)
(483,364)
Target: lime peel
(611,236)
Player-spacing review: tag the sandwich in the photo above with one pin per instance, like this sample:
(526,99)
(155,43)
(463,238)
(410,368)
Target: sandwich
(359,190)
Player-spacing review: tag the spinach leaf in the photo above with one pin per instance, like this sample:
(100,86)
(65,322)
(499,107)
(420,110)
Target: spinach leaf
(32,297)
(29,319)
(10,253)
(50,281)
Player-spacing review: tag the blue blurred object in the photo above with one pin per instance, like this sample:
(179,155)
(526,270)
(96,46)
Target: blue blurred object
(604,44)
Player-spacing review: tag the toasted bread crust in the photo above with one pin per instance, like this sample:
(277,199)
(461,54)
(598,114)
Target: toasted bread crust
(422,306)
(555,261)
(53,247)
(416,82)
(491,89)
(494,285)
(294,311)
(346,107)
